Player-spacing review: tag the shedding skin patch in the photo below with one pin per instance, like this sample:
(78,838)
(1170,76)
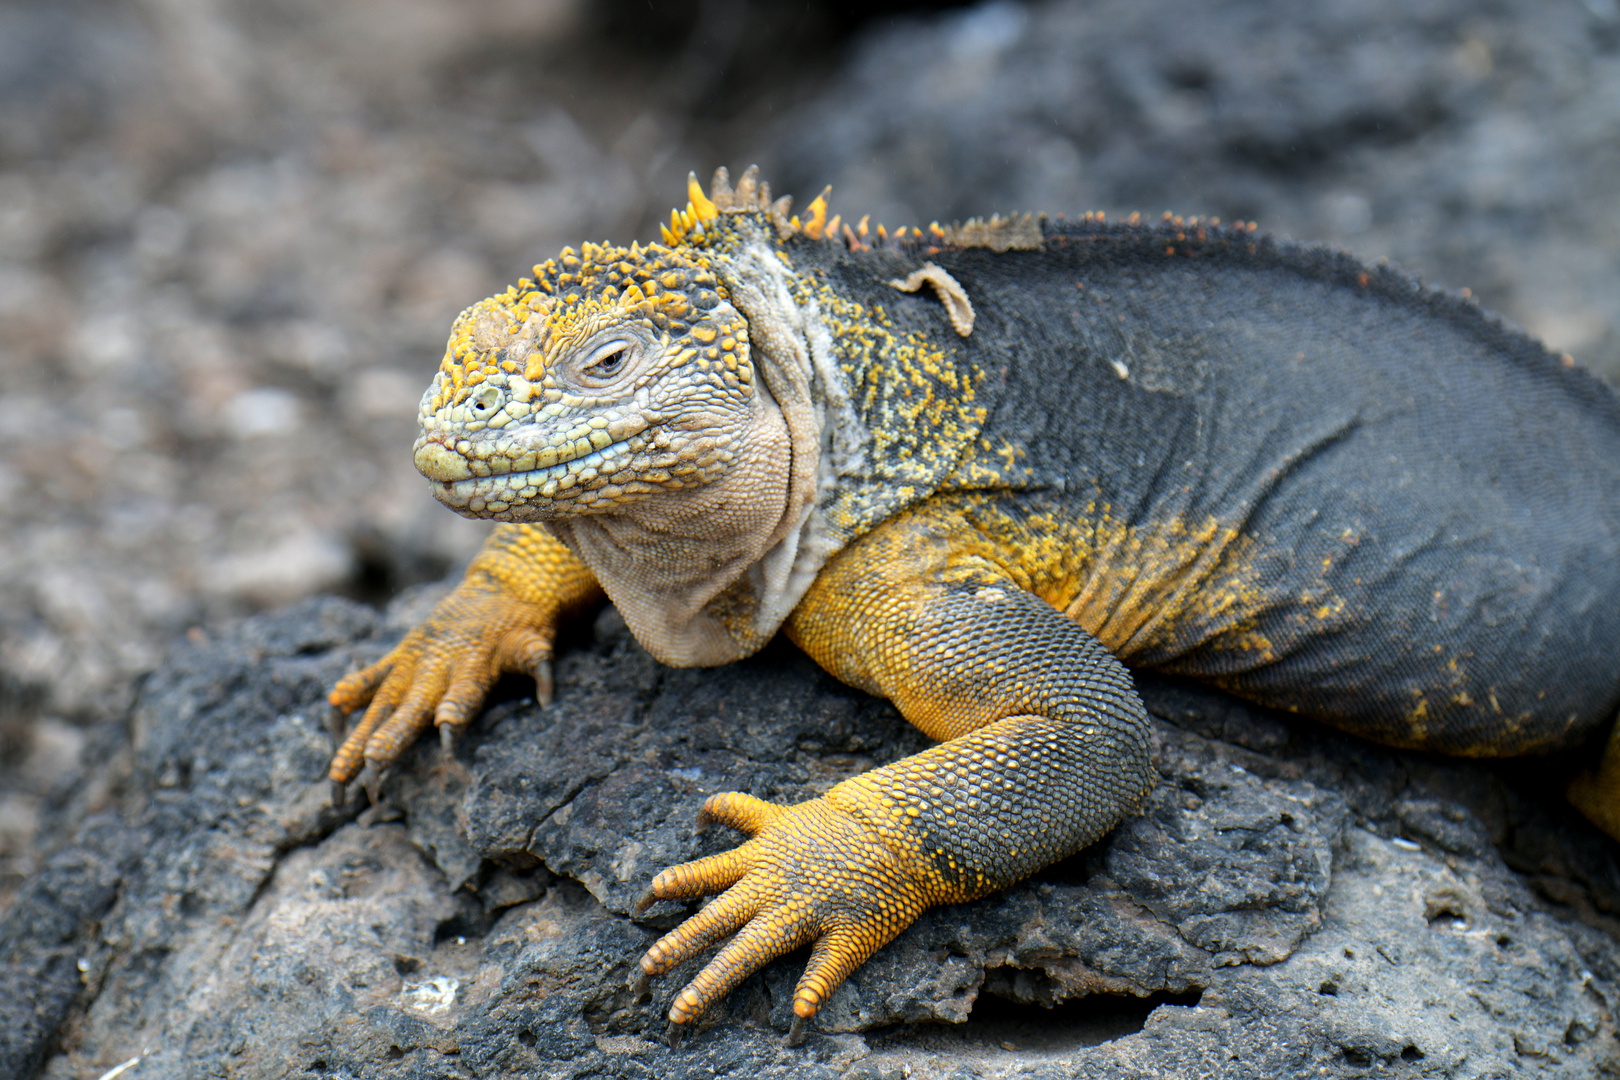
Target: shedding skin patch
(951,294)
(915,392)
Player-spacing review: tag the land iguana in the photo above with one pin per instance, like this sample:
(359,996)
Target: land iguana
(983,470)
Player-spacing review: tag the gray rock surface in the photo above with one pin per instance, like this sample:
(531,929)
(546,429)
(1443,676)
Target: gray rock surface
(1289,902)
(232,235)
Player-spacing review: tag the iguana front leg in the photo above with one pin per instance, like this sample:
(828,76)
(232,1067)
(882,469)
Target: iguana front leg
(502,617)
(1045,749)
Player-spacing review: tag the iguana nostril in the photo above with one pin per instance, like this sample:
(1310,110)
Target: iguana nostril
(486,399)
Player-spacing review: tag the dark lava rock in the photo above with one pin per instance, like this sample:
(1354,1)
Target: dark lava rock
(1289,902)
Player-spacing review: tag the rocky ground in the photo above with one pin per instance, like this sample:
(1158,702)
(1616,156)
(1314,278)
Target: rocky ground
(233,234)
(1290,902)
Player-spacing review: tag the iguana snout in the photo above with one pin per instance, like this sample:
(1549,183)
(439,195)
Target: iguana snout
(439,462)
(507,452)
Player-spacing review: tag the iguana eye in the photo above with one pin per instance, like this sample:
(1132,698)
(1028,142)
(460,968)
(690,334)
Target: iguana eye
(606,362)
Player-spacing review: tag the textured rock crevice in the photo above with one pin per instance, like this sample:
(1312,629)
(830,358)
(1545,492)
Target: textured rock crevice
(1288,901)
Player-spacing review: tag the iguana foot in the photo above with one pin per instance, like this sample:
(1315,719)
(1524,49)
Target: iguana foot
(440,673)
(812,873)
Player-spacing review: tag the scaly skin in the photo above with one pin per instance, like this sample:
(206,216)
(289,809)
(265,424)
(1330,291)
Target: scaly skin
(975,469)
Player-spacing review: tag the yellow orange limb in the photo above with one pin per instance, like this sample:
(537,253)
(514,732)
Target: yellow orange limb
(814,872)
(502,617)
(1045,750)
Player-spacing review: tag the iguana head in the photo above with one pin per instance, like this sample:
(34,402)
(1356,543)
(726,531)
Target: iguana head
(611,373)
(615,396)
(614,372)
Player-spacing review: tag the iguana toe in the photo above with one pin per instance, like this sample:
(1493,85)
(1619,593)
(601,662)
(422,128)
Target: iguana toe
(381,699)
(744,813)
(356,689)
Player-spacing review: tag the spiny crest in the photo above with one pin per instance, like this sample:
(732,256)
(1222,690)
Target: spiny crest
(669,287)
(518,331)
(751,195)
(690,227)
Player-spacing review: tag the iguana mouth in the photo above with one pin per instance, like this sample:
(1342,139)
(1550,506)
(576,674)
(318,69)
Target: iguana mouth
(500,491)
(464,460)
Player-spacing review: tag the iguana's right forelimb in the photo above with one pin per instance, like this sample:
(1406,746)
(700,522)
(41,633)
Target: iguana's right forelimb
(502,617)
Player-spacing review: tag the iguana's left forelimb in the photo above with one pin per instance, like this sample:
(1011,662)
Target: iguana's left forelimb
(1044,741)
(1046,750)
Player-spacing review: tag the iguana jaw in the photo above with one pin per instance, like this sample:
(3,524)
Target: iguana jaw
(521,470)
(489,496)
(680,565)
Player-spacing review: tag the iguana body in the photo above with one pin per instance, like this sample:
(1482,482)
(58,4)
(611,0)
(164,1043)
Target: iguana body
(973,470)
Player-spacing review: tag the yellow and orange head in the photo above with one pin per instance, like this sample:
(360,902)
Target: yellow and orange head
(611,373)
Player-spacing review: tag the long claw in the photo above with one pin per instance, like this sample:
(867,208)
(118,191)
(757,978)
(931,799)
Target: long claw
(674,1035)
(371,780)
(545,685)
(447,739)
(502,618)
(340,794)
(647,900)
(337,725)
(795,1034)
(639,984)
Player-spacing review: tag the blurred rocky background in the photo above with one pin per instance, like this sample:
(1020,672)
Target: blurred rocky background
(233,234)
